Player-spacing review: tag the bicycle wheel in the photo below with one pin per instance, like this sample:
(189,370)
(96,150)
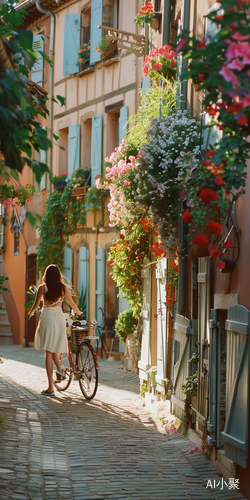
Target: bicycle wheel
(87,368)
(62,385)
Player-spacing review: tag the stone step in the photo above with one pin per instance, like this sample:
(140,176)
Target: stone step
(6,338)
(3,316)
(5,327)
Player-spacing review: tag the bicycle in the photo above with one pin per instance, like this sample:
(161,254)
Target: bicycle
(83,366)
(108,329)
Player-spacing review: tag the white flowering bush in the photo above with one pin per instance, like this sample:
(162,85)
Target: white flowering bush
(160,165)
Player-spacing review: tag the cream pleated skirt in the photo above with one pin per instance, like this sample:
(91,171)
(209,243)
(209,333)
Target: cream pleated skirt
(51,331)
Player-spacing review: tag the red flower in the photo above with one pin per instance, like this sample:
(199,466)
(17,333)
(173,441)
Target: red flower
(157,66)
(219,180)
(201,77)
(227,243)
(132,268)
(214,227)
(200,240)
(173,264)
(210,153)
(243,120)
(187,217)
(207,163)
(155,316)
(139,255)
(208,195)
(171,335)
(181,44)
(215,253)
(110,262)
(201,45)
(221,264)
(172,64)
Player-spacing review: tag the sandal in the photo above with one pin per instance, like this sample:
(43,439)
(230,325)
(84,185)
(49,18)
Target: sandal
(47,393)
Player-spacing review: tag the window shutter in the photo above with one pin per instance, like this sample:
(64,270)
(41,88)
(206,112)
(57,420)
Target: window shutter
(43,159)
(145,83)
(67,265)
(37,69)
(161,324)
(95,33)
(83,277)
(74,148)
(99,284)
(144,363)
(96,148)
(72,40)
(123,118)
(235,433)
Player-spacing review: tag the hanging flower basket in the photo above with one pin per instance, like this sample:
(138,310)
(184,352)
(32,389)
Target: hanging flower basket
(80,191)
(155,23)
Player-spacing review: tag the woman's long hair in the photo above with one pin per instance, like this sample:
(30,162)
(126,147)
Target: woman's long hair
(53,279)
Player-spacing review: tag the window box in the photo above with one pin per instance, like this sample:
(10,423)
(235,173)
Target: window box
(111,50)
(80,191)
(155,24)
(60,185)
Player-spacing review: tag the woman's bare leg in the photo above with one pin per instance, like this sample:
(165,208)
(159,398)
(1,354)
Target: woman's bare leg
(49,369)
(56,359)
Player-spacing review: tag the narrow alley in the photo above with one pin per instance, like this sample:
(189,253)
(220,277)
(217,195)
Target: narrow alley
(109,448)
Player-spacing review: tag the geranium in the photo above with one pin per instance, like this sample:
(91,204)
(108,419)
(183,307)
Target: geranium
(208,195)
(221,264)
(200,240)
(187,217)
(161,63)
(145,14)
(84,53)
(214,227)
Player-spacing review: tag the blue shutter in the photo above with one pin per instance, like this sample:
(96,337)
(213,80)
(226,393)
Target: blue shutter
(95,33)
(67,265)
(123,119)
(99,284)
(72,40)
(43,159)
(96,148)
(83,276)
(74,148)
(145,83)
(235,433)
(37,69)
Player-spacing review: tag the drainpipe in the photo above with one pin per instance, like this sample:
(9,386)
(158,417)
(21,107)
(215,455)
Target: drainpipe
(166,22)
(26,276)
(184,63)
(51,56)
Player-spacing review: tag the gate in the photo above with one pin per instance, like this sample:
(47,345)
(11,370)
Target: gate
(235,433)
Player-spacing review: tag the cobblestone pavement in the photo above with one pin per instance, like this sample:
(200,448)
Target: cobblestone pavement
(65,447)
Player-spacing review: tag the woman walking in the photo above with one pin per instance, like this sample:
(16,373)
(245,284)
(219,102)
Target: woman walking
(51,331)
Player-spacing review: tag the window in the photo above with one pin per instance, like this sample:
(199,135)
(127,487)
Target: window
(37,69)
(110,13)
(86,144)
(157,5)
(86,13)
(63,151)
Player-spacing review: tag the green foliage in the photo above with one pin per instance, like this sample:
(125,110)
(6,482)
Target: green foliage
(82,303)
(3,288)
(152,100)
(95,198)
(190,387)
(84,53)
(125,324)
(103,46)
(143,389)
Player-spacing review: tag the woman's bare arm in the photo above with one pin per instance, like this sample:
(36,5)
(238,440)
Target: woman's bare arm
(38,298)
(71,302)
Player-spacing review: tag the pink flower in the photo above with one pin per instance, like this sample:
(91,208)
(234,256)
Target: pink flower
(181,44)
(246,100)
(236,64)
(239,36)
(157,66)
(229,76)
(126,182)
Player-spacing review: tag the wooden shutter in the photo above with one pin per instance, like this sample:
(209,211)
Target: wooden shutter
(96,148)
(145,83)
(214,382)
(95,33)
(235,432)
(181,335)
(67,265)
(74,148)
(83,275)
(161,325)
(123,306)
(37,69)
(99,284)
(123,118)
(43,159)
(144,362)
(72,40)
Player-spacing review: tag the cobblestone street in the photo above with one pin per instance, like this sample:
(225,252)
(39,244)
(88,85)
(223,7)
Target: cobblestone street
(64,447)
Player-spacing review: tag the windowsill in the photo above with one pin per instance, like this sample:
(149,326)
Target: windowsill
(86,71)
(112,60)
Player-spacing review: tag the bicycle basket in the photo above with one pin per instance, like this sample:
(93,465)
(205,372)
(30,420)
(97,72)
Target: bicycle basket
(80,336)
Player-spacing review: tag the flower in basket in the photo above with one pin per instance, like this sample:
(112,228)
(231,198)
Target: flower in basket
(84,53)
(145,14)
(103,46)
(161,63)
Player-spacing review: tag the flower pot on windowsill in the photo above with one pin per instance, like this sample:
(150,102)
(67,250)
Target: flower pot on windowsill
(111,50)
(60,185)
(80,191)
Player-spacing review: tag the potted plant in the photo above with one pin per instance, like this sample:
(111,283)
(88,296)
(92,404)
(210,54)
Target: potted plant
(59,181)
(107,48)
(190,387)
(125,324)
(145,14)
(84,53)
